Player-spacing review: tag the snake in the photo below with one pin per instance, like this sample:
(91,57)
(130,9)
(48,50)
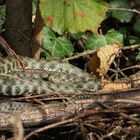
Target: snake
(56,76)
(41,77)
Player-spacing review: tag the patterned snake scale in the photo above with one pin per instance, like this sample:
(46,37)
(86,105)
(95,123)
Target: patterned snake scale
(57,76)
(40,77)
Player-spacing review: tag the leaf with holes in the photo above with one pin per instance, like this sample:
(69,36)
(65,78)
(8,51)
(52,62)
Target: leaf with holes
(73,15)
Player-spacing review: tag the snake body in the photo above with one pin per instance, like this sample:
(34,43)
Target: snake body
(56,76)
(43,77)
(26,76)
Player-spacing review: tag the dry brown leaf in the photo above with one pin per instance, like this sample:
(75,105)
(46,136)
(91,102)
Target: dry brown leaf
(109,87)
(101,61)
(107,55)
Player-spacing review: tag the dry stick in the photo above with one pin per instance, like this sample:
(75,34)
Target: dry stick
(114,131)
(132,96)
(53,126)
(15,77)
(117,71)
(18,128)
(56,95)
(136,46)
(6,46)
(12,138)
(129,117)
(124,115)
(50,126)
(84,113)
(131,67)
(46,96)
(87,52)
(124,9)
(137,102)
(10,52)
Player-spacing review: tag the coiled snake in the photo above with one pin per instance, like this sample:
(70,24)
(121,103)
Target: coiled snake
(23,76)
(55,76)
(40,77)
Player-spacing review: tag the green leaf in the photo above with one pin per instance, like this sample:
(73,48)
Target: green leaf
(122,16)
(96,41)
(77,35)
(73,15)
(34,3)
(59,47)
(138,55)
(2,16)
(114,36)
(137,27)
(133,40)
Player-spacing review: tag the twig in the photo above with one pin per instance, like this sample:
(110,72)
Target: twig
(86,113)
(87,52)
(125,9)
(131,67)
(137,102)
(136,46)
(11,52)
(15,77)
(18,128)
(50,126)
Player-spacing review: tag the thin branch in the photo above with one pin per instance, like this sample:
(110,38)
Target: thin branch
(87,52)
(125,9)
(131,67)
(136,46)
(10,52)
(18,127)
(49,126)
